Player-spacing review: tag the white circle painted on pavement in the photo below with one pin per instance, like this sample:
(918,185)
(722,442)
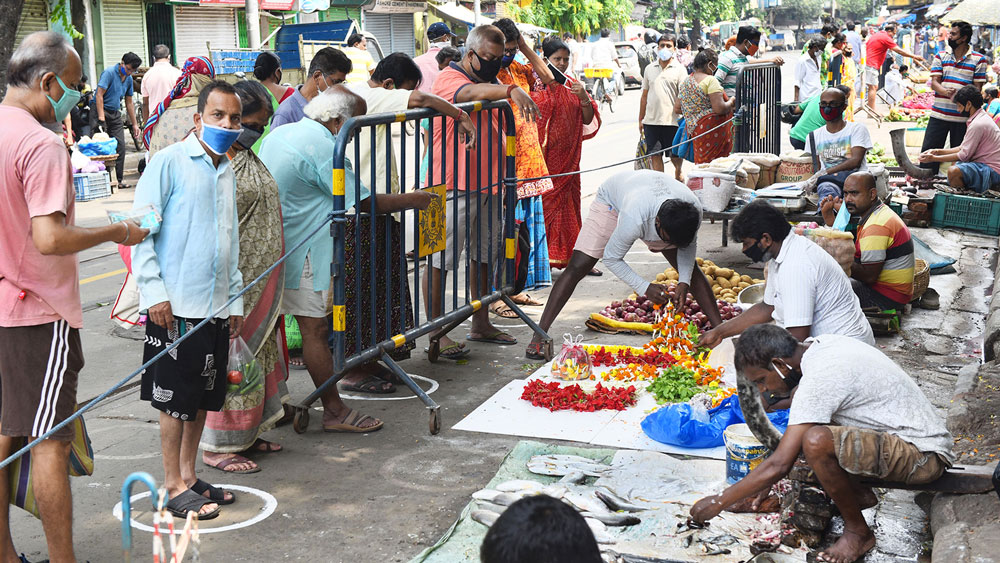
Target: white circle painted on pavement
(434,387)
(270,503)
(137,423)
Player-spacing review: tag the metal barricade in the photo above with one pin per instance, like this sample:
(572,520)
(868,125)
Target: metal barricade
(376,299)
(757,127)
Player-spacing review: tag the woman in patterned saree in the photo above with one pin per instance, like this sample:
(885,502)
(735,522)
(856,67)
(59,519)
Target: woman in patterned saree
(567,117)
(249,413)
(706,108)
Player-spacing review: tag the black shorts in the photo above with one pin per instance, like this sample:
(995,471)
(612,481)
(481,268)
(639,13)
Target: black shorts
(192,376)
(659,137)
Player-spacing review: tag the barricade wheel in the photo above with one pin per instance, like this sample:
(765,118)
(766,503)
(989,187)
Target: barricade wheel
(548,350)
(300,423)
(433,351)
(435,420)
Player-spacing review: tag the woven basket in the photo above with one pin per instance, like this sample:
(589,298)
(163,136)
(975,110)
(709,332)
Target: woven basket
(921,278)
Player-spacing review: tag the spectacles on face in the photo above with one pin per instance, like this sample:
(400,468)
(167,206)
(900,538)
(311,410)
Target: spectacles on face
(833,105)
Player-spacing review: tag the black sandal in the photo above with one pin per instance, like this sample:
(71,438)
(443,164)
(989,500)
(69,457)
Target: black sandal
(215,494)
(534,351)
(373,385)
(190,501)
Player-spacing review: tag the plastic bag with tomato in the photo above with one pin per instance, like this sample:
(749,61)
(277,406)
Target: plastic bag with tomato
(573,361)
(244,373)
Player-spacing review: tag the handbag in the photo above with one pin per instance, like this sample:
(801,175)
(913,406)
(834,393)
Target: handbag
(81,462)
(641,149)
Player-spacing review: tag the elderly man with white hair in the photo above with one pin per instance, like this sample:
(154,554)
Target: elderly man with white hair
(300,157)
(40,351)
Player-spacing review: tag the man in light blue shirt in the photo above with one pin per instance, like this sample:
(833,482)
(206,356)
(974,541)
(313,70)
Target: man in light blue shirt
(186,272)
(299,157)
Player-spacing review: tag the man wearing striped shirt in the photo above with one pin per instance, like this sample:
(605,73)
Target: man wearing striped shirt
(733,59)
(882,274)
(949,73)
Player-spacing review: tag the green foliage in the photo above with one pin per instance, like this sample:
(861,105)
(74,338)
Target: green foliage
(675,384)
(802,11)
(60,16)
(854,9)
(574,16)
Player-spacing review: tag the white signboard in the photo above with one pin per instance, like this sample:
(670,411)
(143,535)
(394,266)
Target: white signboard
(398,7)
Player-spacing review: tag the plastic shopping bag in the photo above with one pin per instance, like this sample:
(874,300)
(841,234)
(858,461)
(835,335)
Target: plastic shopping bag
(684,148)
(99,148)
(640,150)
(678,424)
(244,373)
(573,361)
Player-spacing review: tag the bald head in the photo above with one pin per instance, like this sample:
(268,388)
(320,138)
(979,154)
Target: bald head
(835,95)
(860,192)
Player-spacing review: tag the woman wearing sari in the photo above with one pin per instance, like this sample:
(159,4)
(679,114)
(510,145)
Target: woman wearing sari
(248,414)
(706,108)
(172,119)
(530,164)
(567,117)
(267,70)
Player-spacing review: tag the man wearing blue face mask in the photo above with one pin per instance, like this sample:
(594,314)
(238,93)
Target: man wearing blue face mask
(657,120)
(186,272)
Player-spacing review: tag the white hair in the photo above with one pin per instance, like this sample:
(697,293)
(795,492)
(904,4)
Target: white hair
(333,103)
(482,35)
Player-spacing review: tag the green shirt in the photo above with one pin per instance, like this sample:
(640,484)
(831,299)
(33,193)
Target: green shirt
(810,121)
(267,128)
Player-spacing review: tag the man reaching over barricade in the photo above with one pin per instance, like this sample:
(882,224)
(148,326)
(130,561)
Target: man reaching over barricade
(636,205)
(807,292)
(882,273)
(854,415)
(39,282)
(300,157)
(186,272)
(474,78)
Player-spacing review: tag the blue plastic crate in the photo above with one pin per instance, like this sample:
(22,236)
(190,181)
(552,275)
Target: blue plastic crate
(93,185)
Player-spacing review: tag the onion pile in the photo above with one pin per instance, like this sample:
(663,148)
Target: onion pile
(640,310)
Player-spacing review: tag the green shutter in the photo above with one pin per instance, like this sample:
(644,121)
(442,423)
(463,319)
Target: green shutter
(123,30)
(34,17)
(241,24)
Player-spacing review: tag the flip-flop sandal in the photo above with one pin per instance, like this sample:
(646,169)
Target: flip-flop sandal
(595,272)
(454,351)
(534,351)
(493,338)
(299,366)
(370,384)
(236,458)
(261,446)
(190,501)
(526,300)
(500,309)
(353,423)
(215,494)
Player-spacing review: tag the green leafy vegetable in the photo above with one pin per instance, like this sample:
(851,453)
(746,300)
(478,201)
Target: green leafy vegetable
(675,384)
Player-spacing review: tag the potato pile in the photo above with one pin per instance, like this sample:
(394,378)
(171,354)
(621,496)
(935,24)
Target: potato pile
(726,282)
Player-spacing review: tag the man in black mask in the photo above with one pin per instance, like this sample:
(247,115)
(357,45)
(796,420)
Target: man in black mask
(807,292)
(950,71)
(473,79)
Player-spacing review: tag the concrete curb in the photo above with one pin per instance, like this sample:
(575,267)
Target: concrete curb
(959,408)
(991,335)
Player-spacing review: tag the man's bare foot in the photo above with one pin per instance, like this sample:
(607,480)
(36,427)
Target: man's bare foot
(849,548)
(230,463)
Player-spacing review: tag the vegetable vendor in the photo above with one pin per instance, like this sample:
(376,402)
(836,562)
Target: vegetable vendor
(882,274)
(636,205)
(871,421)
(978,157)
(807,292)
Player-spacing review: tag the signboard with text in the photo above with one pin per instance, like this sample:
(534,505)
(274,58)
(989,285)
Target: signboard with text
(397,7)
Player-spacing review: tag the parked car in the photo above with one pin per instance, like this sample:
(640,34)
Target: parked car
(628,58)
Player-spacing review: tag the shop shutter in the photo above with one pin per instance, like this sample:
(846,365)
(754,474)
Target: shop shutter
(197,25)
(393,31)
(34,17)
(123,30)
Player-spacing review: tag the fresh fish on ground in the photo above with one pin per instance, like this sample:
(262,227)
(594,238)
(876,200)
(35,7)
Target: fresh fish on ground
(485,494)
(559,465)
(507,499)
(603,537)
(629,558)
(485,517)
(555,490)
(596,526)
(574,477)
(613,518)
(711,549)
(486,505)
(720,540)
(520,485)
(616,502)
(584,502)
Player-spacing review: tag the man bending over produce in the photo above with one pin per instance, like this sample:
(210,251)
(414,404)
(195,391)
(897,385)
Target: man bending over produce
(807,292)
(636,205)
(871,421)
(882,274)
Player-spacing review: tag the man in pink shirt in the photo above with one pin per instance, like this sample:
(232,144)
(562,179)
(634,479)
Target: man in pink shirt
(40,313)
(439,36)
(159,79)
(978,157)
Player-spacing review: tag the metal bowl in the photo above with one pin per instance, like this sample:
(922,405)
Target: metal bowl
(750,296)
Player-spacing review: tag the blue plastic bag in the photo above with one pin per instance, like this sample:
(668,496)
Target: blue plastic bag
(675,424)
(686,150)
(99,148)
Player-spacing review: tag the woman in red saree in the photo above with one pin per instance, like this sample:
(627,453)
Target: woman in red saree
(567,116)
(706,108)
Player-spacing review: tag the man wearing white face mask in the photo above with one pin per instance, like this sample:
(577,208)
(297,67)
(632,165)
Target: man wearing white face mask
(185,273)
(439,36)
(329,67)
(657,119)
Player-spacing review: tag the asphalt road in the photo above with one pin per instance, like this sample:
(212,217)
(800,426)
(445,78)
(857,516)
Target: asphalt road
(359,498)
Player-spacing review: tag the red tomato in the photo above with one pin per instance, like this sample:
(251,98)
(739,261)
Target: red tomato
(235,377)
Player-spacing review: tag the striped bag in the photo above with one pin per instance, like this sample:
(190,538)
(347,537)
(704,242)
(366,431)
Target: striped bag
(81,462)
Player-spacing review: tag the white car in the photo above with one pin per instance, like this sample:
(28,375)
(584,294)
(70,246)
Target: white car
(628,59)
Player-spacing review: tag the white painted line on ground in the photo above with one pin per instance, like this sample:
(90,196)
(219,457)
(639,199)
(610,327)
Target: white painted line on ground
(270,503)
(433,388)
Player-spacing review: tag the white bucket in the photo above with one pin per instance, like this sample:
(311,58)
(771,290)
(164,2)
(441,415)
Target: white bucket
(744,452)
(712,188)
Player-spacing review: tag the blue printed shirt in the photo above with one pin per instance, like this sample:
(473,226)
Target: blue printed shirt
(300,158)
(193,260)
(115,88)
